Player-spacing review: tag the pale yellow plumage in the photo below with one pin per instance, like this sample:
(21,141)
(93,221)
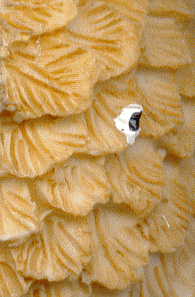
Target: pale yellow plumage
(82,213)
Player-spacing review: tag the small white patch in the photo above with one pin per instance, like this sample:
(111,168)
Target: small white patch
(122,121)
(166,221)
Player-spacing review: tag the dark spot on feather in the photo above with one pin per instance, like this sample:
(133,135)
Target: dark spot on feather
(134,121)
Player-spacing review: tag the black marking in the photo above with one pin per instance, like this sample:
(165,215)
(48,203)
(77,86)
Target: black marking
(134,121)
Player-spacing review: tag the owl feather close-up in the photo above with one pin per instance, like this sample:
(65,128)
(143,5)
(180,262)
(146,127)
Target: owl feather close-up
(97,148)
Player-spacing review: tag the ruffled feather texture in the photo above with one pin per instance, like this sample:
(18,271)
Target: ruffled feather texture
(32,148)
(59,289)
(172,274)
(159,95)
(181,141)
(157,92)
(18,211)
(118,248)
(76,187)
(21,19)
(137,177)
(46,77)
(177,8)
(111,29)
(164,44)
(61,249)
(102,31)
(82,213)
(12,283)
(166,226)
(186,75)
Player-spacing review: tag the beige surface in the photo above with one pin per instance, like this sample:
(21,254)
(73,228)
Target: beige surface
(118,248)
(76,187)
(61,77)
(172,274)
(82,213)
(32,148)
(140,170)
(61,249)
(12,283)
(61,289)
(18,211)
(21,19)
